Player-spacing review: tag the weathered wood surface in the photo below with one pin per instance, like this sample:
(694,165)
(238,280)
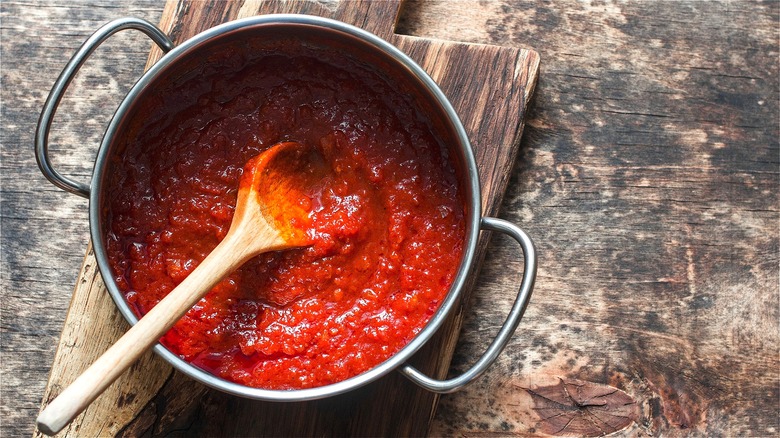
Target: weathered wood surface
(648,177)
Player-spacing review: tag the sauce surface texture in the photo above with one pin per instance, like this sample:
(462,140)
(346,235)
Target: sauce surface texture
(388,223)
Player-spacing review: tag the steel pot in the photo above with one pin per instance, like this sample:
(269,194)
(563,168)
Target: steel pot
(344,37)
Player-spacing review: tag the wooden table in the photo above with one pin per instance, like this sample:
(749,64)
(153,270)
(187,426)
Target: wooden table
(648,177)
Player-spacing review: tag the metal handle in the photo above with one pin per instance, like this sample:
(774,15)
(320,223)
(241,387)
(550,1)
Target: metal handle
(67,75)
(512,320)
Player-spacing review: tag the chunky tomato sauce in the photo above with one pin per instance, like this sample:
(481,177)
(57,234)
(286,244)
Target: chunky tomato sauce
(388,220)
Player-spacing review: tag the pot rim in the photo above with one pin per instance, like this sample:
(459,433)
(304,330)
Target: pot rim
(472,199)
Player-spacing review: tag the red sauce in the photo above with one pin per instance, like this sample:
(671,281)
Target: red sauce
(388,222)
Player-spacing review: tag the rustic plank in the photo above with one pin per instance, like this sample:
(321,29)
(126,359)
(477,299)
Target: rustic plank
(648,178)
(43,232)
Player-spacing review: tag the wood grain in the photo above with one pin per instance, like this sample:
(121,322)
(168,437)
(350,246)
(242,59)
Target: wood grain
(42,230)
(648,177)
(650,168)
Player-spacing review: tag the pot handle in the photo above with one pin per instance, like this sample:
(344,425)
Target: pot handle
(67,75)
(512,320)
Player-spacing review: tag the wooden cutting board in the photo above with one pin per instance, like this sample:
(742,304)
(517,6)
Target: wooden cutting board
(489,87)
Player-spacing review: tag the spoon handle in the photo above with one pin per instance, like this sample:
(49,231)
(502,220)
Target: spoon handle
(226,257)
(263,190)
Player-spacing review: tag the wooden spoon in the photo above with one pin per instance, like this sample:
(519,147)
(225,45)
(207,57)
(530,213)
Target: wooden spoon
(271,214)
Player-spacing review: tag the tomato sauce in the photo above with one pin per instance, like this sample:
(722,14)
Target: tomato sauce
(388,220)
